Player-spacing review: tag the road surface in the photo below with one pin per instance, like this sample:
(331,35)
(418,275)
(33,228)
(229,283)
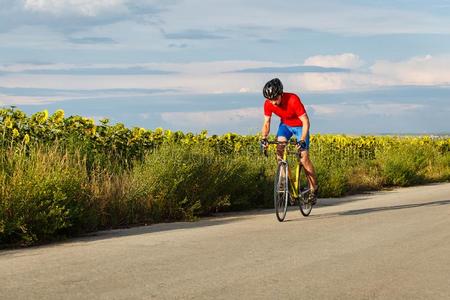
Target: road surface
(385,245)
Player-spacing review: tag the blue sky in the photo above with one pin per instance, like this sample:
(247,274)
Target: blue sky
(360,67)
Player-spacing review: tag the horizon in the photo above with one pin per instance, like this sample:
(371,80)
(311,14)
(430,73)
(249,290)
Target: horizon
(272,134)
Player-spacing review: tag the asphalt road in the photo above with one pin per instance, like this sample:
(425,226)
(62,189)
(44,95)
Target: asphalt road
(386,245)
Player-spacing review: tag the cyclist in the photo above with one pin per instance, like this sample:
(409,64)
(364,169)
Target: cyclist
(294,120)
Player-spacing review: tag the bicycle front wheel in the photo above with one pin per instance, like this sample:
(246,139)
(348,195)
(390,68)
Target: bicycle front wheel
(281,191)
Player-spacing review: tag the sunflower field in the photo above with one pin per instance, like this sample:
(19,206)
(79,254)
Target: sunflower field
(61,176)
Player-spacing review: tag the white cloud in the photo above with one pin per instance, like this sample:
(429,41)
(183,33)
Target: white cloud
(325,109)
(75,16)
(216,76)
(424,70)
(321,15)
(202,77)
(21,67)
(209,119)
(192,68)
(6,100)
(345,60)
(87,8)
(364,109)
(321,82)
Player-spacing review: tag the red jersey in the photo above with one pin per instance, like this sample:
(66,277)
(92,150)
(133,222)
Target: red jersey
(289,110)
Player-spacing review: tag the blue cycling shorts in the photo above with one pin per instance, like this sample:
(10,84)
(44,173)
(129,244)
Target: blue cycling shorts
(288,131)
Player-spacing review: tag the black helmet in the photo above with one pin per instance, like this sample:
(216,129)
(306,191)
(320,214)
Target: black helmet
(273,89)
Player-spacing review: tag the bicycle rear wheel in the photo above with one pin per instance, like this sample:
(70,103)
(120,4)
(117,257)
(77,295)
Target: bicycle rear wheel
(304,204)
(281,191)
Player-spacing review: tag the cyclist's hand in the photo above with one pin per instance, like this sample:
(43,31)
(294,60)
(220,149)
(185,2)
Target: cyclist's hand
(301,145)
(264,143)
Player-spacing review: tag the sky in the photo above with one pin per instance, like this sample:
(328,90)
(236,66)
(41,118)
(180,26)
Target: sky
(359,67)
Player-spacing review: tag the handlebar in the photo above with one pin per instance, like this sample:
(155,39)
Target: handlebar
(264,150)
(278,142)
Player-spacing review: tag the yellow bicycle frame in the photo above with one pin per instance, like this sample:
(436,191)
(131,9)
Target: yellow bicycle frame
(293,182)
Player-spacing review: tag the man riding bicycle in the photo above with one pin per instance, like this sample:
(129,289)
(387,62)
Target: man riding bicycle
(294,120)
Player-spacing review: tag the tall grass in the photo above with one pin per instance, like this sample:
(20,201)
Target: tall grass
(54,190)
(44,192)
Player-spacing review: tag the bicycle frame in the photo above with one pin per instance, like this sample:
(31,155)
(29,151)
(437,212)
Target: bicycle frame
(294,182)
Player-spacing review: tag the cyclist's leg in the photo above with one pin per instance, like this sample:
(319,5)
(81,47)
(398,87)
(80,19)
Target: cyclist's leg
(309,170)
(283,135)
(311,175)
(306,161)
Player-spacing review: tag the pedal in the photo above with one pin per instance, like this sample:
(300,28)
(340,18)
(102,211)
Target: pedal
(293,200)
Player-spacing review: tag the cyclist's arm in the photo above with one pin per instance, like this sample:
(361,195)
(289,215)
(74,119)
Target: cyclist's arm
(305,120)
(266,127)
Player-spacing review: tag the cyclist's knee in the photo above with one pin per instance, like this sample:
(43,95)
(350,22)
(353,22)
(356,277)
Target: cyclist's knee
(304,157)
(280,150)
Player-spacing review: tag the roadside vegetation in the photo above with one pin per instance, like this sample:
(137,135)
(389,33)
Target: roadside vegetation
(62,176)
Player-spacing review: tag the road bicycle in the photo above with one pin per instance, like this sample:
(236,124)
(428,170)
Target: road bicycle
(288,187)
